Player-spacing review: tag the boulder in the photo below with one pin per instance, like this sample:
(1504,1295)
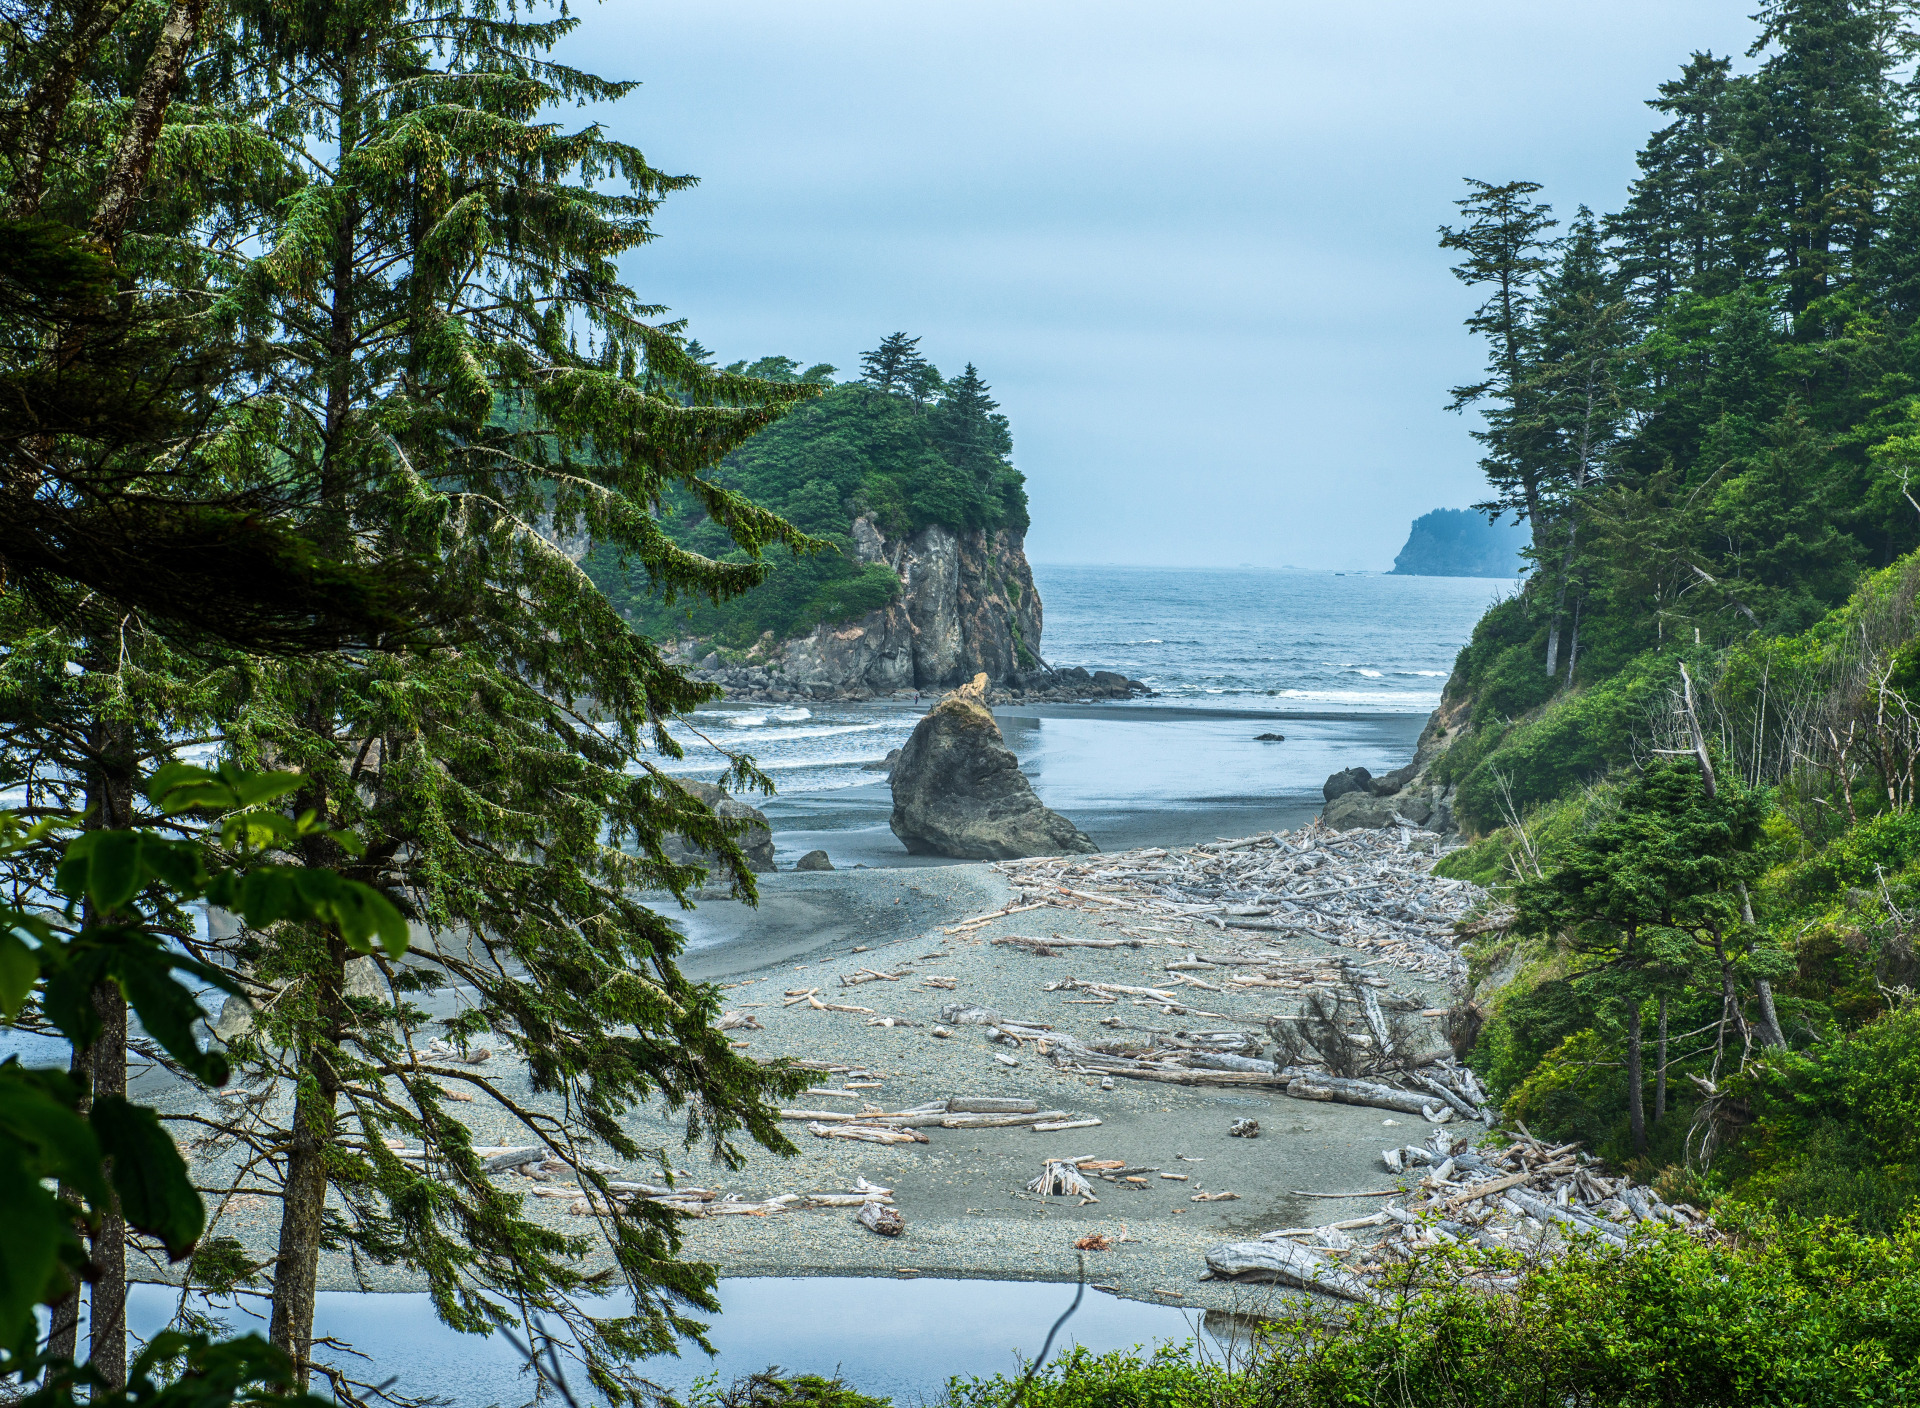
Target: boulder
(885,764)
(1352,809)
(1389,783)
(813,860)
(756,840)
(1269,738)
(1414,808)
(1341,783)
(958,790)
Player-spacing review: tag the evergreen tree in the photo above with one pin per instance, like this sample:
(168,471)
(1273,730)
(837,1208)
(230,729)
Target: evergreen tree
(1503,245)
(445,350)
(895,366)
(1577,399)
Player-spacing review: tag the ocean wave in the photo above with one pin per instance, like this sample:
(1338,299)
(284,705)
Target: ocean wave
(1370,674)
(1397,697)
(742,718)
(794,735)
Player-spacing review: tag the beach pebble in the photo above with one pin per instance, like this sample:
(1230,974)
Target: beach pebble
(941,1032)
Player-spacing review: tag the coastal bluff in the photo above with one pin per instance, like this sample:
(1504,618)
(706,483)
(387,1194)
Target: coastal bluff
(966,606)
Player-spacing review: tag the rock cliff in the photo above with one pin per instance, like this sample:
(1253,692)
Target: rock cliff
(967,606)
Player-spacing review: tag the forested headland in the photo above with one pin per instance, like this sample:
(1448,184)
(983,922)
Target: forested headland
(1688,745)
(901,446)
(1457,542)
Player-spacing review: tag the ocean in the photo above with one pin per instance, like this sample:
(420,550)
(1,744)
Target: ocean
(1345,666)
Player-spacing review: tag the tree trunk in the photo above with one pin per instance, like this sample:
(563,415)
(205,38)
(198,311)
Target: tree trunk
(1636,1101)
(133,158)
(104,1064)
(1660,1075)
(1770,1032)
(107,1303)
(304,1195)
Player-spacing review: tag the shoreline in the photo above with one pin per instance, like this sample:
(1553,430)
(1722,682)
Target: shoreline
(963,1192)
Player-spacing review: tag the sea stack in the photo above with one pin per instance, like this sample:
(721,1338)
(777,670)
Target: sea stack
(958,790)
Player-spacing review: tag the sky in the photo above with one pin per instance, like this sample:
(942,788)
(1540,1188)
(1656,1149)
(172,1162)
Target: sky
(1192,246)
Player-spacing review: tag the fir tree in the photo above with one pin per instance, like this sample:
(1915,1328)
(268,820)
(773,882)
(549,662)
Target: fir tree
(1503,245)
(895,366)
(446,350)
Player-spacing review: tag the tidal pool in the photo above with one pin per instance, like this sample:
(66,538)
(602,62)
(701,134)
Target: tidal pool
(901,1338)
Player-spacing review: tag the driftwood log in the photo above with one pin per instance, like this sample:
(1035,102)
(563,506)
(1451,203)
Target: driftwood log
(1288,1264)
(881,1217)
(1366,1092)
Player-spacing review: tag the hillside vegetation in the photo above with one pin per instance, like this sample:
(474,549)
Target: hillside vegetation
(902,445)
(1687,748)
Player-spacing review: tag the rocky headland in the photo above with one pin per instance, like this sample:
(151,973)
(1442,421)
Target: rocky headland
(967,606)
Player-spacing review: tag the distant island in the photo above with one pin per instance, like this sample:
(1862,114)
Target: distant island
(1457,542)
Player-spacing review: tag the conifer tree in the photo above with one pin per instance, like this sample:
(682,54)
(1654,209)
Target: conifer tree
(895,366)
(1578,398)
(1503,245)
(446,350)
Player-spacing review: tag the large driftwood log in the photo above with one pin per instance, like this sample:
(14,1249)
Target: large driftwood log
(1585,1222)
(991,1105)
(999,1121)
(1287,1263)
(866,1133)
(1364,1092)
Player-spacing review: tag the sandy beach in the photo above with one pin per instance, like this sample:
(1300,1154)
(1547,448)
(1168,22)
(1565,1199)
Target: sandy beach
(963,1193)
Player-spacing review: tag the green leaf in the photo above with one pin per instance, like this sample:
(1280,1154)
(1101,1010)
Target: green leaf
(30,1237)
(102,866)
(168,1009)
(19,967)
(156,1194)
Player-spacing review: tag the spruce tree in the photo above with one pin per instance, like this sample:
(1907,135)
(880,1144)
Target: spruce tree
(895,366)
(1579,398)
(1503,246)
(447,351)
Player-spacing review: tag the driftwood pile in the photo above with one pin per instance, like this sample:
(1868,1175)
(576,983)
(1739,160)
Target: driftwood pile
(555,1177)
(1526,1198)
(1366,890)
(1438,1089)
(1068,1177)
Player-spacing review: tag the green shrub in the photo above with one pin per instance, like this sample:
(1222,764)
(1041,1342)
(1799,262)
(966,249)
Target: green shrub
(1792,1315)
(1836,1129)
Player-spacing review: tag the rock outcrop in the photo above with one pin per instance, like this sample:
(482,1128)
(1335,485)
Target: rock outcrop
(967,606)
(756,840)
(958,790)
(1357,798)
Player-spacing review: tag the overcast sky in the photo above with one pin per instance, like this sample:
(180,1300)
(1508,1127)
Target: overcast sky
(1191,245)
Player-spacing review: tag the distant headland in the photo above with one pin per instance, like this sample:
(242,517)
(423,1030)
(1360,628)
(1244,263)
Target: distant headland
(1458,542)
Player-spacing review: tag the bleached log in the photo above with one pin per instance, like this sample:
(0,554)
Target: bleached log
(991,1105)
(1459,1103)
(1358,1092)
(999,1121)
(1288,1264)
(1548,1212)
(508,1158)
(866,1133)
